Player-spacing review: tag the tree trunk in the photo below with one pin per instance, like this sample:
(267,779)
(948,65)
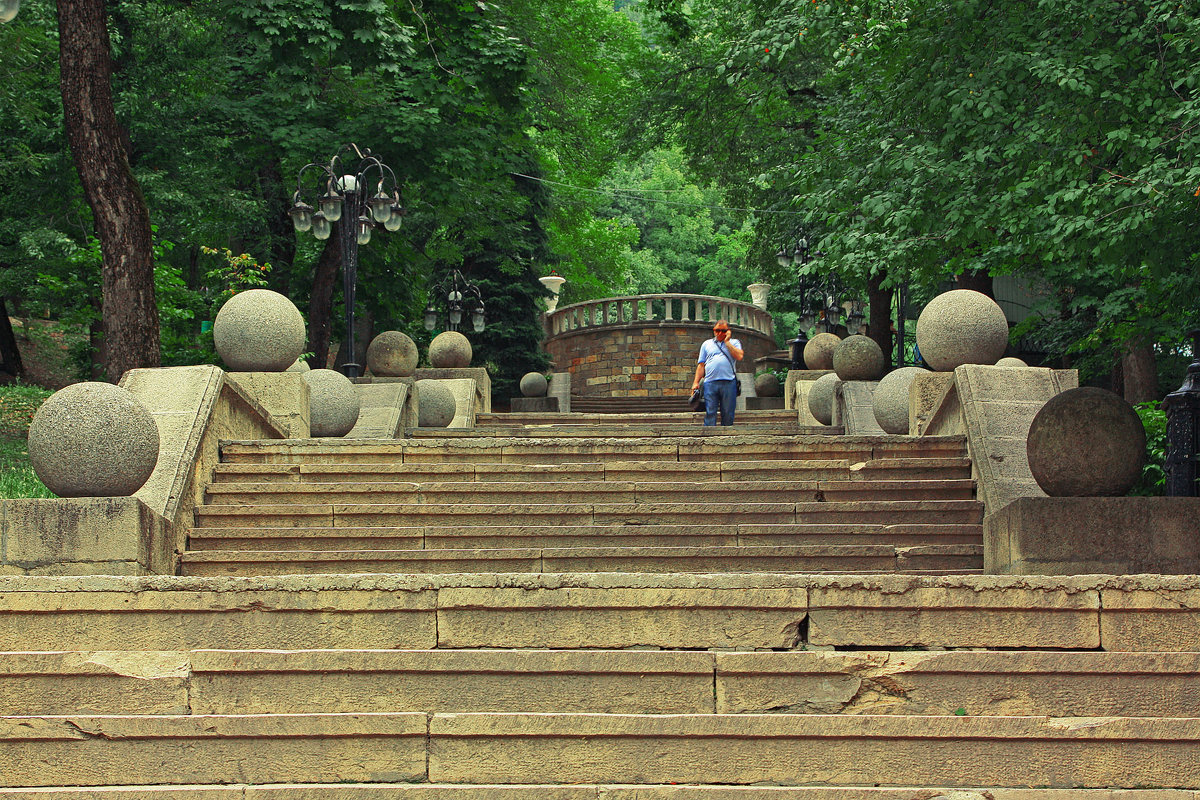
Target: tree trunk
(282,247)
(122,220)
(320,304)
(1139,373)
(10,354)
(979,281)
(879,308)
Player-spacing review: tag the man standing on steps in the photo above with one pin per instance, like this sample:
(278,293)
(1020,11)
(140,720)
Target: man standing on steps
(717,368)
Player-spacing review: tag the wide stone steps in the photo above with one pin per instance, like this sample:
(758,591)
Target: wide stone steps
(581,491)
(552,450)
(562,748)
(491,537)
(576,418)
(957,559)
(876,682)
(732,470)
(629,430)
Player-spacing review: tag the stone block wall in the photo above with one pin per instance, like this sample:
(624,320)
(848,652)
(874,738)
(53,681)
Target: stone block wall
(641,360)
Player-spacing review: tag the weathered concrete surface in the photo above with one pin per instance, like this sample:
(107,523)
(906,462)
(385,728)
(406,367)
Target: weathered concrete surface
(795,392)
(1090,535)
(114,682)
(854,408)
(385,409)
(483,383)
(284,395)
(85,536)
(934,409)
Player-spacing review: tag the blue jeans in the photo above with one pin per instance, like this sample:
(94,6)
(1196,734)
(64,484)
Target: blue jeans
(719,395)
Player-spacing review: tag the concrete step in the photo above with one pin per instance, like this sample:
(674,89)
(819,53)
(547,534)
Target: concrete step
(583,491)
(600,611)
(971,683)
(485,537)
(535,450)
(444,791)
(808,469)
(564,748)
(415,514)
(682,428)
(804,559)
(577,418)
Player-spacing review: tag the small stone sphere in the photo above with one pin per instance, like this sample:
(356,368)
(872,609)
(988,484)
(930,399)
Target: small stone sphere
(93,440)
(1011,361)
(858,358)
(299,365)
(961,327)
(332,404)
(435,403)
(534,384)
(450,350)
(392,354)
(890,401)
(767,385)
(820,398)
(1086,442)
(258,331)
(818,353)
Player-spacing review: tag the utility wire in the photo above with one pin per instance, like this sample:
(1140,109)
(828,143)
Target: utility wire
(623,194)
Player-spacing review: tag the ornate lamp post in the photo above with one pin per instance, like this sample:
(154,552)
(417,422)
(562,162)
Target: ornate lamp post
(459,297)
(826,313)
(345,183)
(1183,430)
(9,9)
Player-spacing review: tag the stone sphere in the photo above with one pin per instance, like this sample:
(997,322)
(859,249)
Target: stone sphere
(333,404)
(450,350)
(93,440)
(534,384)
(392,354)
(890,401)
(1011,361)
(961,327)
(298,365)
(435,403)
(258,331)
(818,353)
(820,398)
(858,358)
(767,385)
(1086,442)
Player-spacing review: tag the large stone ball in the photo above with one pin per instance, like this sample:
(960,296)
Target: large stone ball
(818,353)
(93,440)
(258,331)
(767,385)
(1011,361)
(961,327)
(435,403)
(450,350)
(534,384)
(858,358)
(890,401)
(392,354)
(1086,442)
(333,404)
(820,398)
(298,365)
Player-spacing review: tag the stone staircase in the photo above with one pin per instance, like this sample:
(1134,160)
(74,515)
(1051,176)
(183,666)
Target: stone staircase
(509,614)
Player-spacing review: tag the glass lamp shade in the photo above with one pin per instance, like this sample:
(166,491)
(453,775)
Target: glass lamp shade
(477,320)
(9,9)
(348,183)
(833,316)
(364,229)
(321,226)
(807,320)
(854,322)
(455,316)
(331,206)
(783,259)
(395,219)
(302,216)
(381,208)
(430,317)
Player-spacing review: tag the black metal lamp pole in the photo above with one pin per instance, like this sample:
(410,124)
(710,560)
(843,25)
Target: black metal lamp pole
(1183,430)
(346,199)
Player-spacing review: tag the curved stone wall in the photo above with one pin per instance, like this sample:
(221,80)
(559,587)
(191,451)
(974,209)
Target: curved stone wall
(646,346)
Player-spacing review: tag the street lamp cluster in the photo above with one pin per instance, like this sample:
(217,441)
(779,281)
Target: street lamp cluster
(343,184)
(459,297)
(819,299)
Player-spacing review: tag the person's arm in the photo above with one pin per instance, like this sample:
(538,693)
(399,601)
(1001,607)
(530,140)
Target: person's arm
(699,376)
(735,349)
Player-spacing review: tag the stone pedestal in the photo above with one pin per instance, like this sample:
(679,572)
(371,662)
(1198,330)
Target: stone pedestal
(854,408)
(560,389)
(534,405)
(284,395)
(387,407)
(1087,535)
(483,382)
(795,392)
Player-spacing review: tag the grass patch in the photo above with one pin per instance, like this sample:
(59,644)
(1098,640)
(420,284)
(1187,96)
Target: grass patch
(18,403)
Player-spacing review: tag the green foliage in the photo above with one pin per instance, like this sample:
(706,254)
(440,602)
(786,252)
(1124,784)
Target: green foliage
(18,404)
(1153,480)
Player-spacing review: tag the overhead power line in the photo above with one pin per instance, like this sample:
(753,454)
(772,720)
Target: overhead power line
(627,194)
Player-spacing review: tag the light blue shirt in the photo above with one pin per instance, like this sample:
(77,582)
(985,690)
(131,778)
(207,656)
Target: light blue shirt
(718,360)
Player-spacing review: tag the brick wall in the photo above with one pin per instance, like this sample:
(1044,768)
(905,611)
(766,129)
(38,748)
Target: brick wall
(641,360)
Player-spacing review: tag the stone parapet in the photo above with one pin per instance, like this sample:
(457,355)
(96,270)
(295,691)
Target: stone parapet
(483,382)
